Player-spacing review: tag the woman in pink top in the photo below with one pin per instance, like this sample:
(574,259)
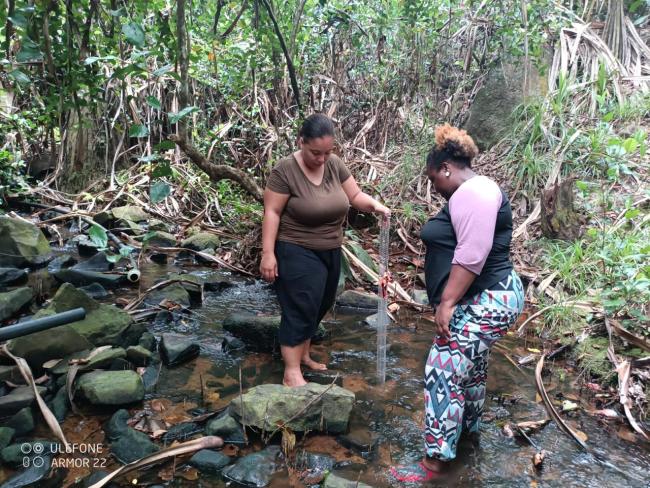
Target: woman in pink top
(475,291)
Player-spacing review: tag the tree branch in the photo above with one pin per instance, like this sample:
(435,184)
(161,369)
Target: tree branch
(232,26)
(217,16)
(287,56)
(218,172)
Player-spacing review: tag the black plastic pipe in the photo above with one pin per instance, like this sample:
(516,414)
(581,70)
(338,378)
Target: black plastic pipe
(44,323)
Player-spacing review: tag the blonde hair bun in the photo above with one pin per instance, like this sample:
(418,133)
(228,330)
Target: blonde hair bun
(457,142)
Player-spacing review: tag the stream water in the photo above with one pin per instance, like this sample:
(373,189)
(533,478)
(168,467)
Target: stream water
(391,413)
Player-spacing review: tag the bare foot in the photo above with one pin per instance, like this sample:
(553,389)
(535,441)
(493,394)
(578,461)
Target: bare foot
(293,380)
(313,365)
(434,464)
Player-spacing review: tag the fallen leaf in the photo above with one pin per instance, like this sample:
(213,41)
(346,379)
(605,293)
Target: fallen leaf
(532,349)
(157,405)
(507,431)
(593,386)
(568,406)
(581,435)
(51,363)
(393,307)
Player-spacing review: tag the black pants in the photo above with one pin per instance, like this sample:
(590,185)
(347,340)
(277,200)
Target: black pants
(306,288)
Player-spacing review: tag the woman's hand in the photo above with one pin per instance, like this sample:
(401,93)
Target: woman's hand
(269,267)
(444,313)
(378,208)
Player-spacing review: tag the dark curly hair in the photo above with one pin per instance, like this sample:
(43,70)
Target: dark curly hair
(454,145)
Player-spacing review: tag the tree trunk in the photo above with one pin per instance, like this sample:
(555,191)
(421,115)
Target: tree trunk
(559,218)
(183,65)
(218,172)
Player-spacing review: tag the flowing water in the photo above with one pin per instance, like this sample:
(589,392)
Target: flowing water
(389,415)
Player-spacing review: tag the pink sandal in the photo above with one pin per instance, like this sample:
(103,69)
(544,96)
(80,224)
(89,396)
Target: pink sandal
(413,473)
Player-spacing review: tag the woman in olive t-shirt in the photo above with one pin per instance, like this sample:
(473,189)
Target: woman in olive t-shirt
(306,200)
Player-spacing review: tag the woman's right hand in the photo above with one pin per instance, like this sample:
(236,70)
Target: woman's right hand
(269,267)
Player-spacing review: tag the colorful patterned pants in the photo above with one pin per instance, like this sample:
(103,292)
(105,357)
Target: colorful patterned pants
(456,368)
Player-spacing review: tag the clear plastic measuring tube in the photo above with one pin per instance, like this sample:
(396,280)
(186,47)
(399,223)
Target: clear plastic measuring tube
(382,307)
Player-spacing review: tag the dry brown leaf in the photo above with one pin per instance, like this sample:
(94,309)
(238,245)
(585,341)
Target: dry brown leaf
(157,405)
(230,450)
(538,459)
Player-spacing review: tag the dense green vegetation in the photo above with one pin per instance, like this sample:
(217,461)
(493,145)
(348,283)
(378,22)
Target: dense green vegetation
(90,90)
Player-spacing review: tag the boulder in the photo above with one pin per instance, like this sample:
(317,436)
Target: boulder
(490,115)
(92,272)
(227,428)
(22,244)
(161,239)
(209,461)
(22,396)
(103,325)
(260,333)
(181,432)
(117,424)
(148,341)
(266,406)
(176,349)
(35,474)
(138,355)
(60,404)
(12,301)
(111,387)
(40,347)
(130,212)
(202,241)
(9,276)
(86,246)
(6,436)
(158,225)
(255,469)
(95,291)
(60,262)
(22,422)
(104,359)
(132,445)
(98,262)
(357,300)
(175,293)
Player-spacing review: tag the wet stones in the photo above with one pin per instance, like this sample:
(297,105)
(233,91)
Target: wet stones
(209,461)
(258,333)
(9,276)
(202,241)
(255,469)
(357,300)
(176,349)
(12,301)
(132,445)
(111,387)
(227,428)
(313,407)
(22,244)
(22,396)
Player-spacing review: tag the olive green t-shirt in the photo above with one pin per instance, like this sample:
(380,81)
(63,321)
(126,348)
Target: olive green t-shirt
(314,214)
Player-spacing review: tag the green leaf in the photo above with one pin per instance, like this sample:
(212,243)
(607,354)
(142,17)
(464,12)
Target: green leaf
(608,117)
(630,145)
(98,236)
(154,102)
(633,212)
(113,258)
(161,71)
(134,34)
(20,77)
(164,145)
(125,251)
(161,170)
(18,19)
(119,12)
(159,191)
(173,118)
(582,186)
(138,130)
(29,51)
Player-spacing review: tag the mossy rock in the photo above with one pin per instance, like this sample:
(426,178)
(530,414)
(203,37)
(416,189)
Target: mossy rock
(22,244)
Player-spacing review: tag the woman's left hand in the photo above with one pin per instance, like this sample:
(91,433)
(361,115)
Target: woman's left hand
(381,209)
(444,313)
